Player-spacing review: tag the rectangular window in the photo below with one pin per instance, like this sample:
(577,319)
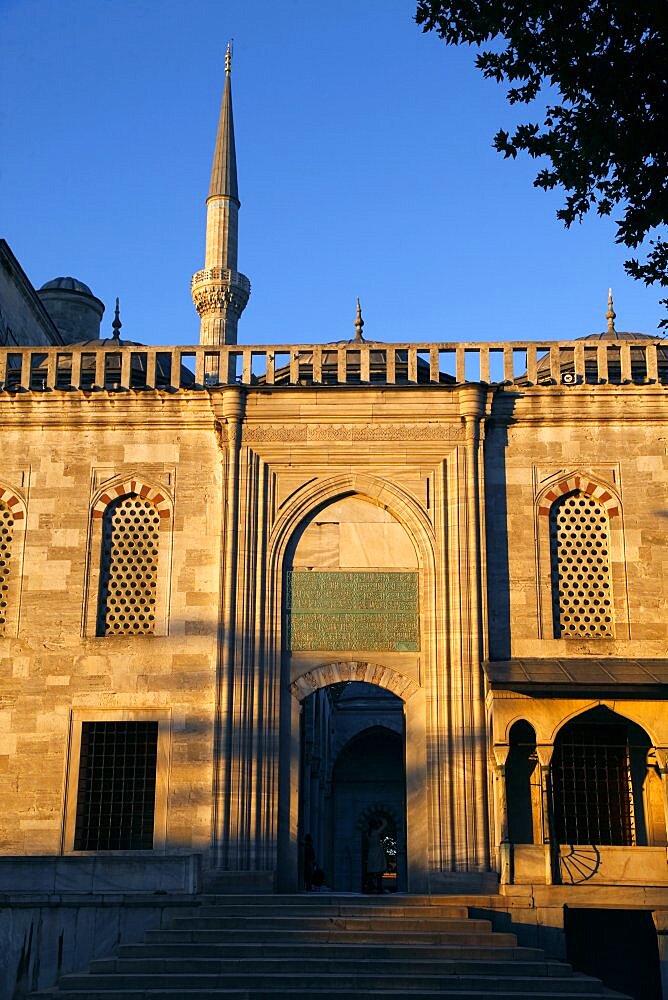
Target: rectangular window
(116,786)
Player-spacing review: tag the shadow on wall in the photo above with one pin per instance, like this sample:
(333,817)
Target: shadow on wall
(496,526)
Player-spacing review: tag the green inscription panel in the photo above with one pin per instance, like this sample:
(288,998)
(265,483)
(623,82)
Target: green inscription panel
(365,611)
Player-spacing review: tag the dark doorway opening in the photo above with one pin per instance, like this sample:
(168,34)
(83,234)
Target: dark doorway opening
(353,781)
(617,946)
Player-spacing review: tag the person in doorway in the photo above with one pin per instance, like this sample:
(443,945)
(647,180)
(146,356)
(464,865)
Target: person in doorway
(376,860)
(310,863)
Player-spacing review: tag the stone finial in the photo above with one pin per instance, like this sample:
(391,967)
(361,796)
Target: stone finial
(116,323)
(228,58)
(359,322)
(611,314)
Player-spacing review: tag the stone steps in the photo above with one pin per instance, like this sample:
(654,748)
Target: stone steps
(330,912)
(333,934)
(333,900)
(323,994)
(331,908)
(312,923)
(329,963)
(357,981)
(256,950)
(287,948)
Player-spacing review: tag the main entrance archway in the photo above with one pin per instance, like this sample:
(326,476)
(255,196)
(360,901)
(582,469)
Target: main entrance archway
(352,783)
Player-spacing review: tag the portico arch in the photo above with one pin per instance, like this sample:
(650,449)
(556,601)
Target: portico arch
(414,707)
(313,498)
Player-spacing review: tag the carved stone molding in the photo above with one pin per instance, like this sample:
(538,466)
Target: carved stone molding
(289,433)
(273,433)
(219,298)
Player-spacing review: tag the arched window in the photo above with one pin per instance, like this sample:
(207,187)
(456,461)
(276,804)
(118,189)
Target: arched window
(580,568)
(598,772)
(6,538)
(128,567)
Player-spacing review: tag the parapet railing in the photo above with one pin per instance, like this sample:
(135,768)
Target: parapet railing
(114,366)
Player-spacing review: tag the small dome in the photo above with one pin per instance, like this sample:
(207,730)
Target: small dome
(69,284)
(619,335)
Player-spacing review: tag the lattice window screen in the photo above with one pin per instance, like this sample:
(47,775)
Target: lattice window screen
(6,534)
(129,568)
(580,558)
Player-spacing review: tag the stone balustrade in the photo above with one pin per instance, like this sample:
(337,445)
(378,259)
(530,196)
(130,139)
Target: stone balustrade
(114,366)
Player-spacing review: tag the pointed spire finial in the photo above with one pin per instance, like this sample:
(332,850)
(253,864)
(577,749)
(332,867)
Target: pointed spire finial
(116,324)
(611,314)
(224,168)
(359,322)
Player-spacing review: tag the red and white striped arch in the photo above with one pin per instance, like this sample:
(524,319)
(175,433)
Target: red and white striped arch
(10,499)
(583,484)
(134,485)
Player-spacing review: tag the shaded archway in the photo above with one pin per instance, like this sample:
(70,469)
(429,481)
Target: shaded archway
(523,785)
(352,598)
(352,775)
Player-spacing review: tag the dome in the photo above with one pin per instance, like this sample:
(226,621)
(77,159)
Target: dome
(68,284)
(619,335)
(73,307)
(614,338)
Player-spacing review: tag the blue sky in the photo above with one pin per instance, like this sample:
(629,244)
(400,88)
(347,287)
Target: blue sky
(365,168)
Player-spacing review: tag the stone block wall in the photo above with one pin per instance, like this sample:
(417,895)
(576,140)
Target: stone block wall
(615,436)
(58,456)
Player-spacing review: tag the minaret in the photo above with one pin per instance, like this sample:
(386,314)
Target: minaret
(219,292)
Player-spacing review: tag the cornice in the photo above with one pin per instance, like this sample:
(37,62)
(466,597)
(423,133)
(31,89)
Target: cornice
(600,404)
(153,408)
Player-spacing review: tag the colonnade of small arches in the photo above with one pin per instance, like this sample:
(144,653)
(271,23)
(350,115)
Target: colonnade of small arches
(598,781)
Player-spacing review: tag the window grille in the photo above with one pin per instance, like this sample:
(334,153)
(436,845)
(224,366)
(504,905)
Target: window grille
(591,786)
(116,791)
(129,568)
(580,563)
(6,533)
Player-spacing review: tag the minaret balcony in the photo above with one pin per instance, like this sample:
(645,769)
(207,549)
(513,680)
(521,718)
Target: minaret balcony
(221,276)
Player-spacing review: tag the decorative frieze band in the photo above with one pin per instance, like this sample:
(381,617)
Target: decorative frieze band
(291,433)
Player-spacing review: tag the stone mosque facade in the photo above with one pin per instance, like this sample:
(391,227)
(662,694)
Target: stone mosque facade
(250,593)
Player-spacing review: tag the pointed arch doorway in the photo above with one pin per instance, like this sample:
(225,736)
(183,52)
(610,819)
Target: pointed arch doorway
(353,786)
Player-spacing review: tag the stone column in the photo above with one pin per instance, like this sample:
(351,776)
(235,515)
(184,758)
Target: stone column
(472,408)
(662,761)
(501,804)
(233,407)
(544,752)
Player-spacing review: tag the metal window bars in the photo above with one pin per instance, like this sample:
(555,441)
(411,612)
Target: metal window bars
(116,788)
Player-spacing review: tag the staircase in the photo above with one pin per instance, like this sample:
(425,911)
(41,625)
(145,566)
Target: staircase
(327,947)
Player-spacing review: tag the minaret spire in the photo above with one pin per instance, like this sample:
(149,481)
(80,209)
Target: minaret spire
(219,291)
